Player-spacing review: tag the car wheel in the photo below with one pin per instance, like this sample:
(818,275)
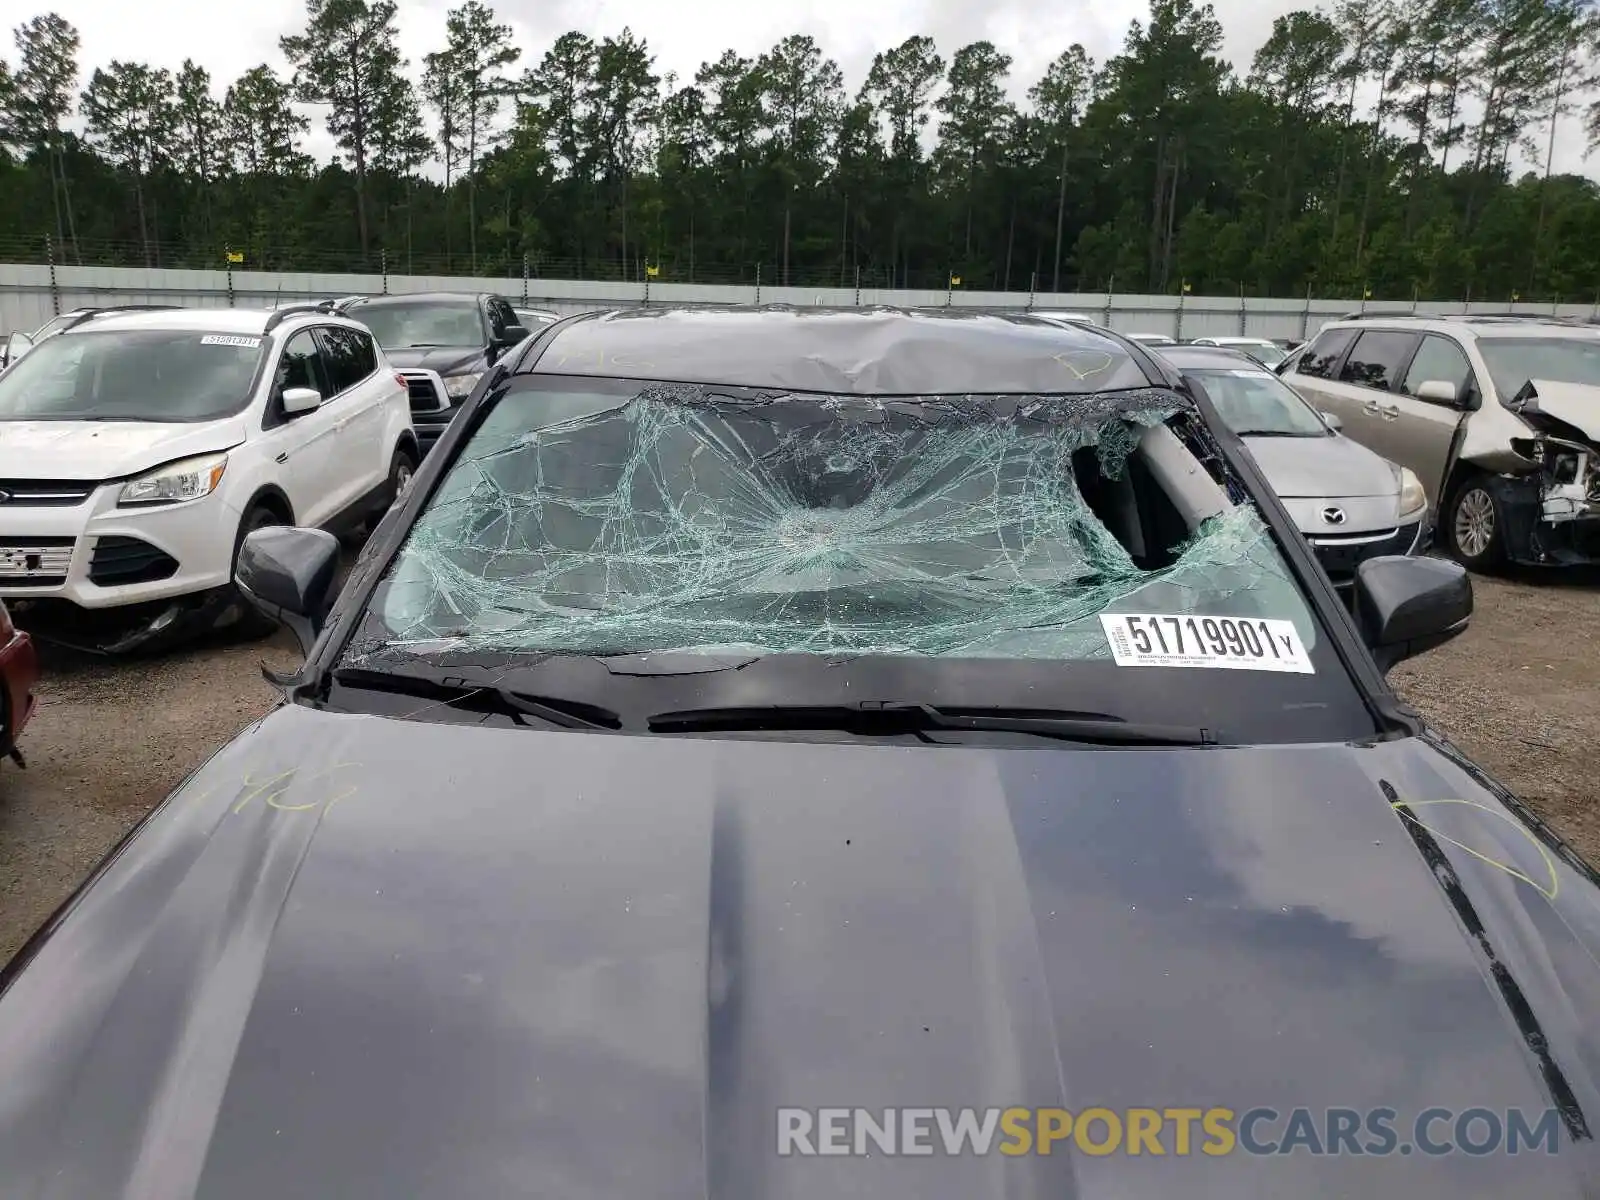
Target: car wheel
(1475,525)
(240,615)
(402,469)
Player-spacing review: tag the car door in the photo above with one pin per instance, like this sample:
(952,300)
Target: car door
(1424,430)
(1315,370)
(1369,379)
(359,396)
(302,446)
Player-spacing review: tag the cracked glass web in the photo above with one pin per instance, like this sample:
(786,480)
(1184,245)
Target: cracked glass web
(679,519)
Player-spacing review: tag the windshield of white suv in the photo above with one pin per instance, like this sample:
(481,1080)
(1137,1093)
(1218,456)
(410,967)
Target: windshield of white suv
(422,323)
(1268,352)
(1514,361)
(1258,403)
(657,518)
(131,375)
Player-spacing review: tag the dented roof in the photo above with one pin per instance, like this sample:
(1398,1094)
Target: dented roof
(864,352)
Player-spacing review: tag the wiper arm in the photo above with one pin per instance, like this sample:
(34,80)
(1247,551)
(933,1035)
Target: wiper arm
(881,717)
(462,693)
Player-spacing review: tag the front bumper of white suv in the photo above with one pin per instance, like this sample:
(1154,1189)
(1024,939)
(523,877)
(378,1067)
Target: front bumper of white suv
(70,546)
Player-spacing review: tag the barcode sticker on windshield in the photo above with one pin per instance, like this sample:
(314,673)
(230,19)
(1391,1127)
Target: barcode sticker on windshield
(228,339)
(1226,643)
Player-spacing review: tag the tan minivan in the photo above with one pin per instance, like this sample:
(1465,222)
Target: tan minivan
(1498,416)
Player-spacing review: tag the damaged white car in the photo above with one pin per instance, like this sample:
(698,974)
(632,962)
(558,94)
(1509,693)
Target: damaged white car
(1498,416)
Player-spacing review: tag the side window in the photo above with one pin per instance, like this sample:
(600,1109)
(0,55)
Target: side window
(1377,359)
(1320,357)
(497,320)
(1438,358)
(350,357)
(301,366)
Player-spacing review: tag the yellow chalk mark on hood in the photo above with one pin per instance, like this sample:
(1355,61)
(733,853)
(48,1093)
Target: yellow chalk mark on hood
(1548,891)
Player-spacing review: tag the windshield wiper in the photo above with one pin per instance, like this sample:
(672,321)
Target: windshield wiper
(1276,433)
(884,717)
(462,693)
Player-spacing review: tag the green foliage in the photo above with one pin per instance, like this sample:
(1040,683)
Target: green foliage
(1369,145)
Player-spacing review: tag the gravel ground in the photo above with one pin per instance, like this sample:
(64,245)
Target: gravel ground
(1517,692)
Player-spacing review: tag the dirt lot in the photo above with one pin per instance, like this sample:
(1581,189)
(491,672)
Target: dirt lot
(1520,692)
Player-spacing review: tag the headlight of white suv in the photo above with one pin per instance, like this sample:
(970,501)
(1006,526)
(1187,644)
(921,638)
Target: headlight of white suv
(175,482)
(459,387)
(1412,498)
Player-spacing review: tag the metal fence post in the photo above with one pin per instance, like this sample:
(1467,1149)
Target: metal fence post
(949,287)
(1111,287)
(55,290)
(858,285)
(524,278)
(758,283)
(383,263)
(227,261)
(1178,332)
(1242,317)
(1033,287)
(1305,315)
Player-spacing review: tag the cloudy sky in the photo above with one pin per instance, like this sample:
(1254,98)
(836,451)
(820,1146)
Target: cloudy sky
(229,36)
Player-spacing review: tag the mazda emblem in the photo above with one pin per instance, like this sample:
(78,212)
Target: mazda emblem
(1333,516)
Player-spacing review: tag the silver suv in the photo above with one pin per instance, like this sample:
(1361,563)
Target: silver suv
(1498,416)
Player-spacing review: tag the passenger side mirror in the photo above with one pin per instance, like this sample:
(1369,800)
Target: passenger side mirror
(1331,420)
(287,575)
(1438,391)
(1408,606)
(12,347)
(299,400)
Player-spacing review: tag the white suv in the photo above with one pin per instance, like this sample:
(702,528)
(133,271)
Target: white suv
(137,450)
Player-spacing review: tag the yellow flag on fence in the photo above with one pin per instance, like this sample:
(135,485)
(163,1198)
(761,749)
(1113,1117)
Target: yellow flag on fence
(955,281)
(1185,287)
(1366,294)
(235,256)
(1515,296)
(652,272)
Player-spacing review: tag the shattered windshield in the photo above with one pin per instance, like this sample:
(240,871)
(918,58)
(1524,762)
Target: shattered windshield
(586,519)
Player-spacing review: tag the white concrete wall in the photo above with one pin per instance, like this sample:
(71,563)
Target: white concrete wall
(30,294)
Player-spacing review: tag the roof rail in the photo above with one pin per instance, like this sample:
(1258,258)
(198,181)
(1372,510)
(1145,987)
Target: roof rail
(90,314)
(290,310)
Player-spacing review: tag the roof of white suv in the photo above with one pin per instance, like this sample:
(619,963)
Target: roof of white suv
(1473,326)
(223,320)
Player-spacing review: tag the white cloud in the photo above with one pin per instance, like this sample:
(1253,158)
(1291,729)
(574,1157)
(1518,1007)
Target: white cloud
(229,36)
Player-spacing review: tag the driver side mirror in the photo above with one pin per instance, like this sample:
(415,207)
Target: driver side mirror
(1438,391)
(1408,606)
(511,335)
(1331,420)
(287,574)
(297,400)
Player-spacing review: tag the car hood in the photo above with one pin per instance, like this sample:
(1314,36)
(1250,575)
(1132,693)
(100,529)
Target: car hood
(106,449)
(362,957)
(1575,403)
(1314,474)
(447,360)
(1315,467)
